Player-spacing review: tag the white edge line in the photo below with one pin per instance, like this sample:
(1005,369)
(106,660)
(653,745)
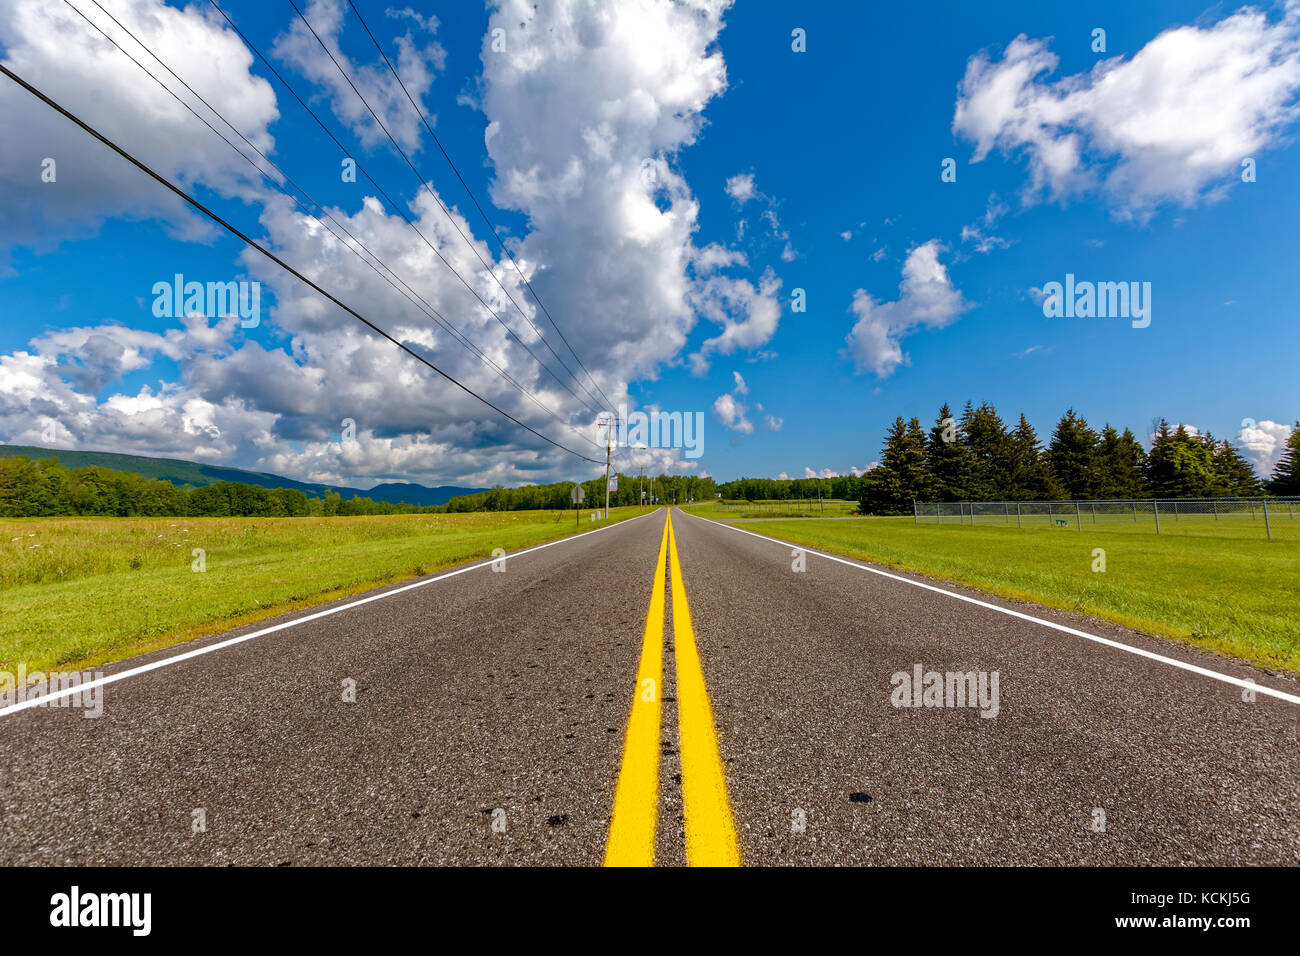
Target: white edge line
(1151,655)
(229,642)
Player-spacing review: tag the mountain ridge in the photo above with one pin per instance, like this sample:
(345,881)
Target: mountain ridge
(181,472)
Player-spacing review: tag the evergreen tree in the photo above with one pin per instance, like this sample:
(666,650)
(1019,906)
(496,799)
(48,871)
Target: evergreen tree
(1234,475)
(1072,455)
(1119,465)
(1030,478)
(990,446)
(901,477)
(949,459)
(1286,474)
(1179,465)
(914,470)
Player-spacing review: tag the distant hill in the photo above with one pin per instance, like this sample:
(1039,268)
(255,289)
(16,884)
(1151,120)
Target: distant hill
(180,472)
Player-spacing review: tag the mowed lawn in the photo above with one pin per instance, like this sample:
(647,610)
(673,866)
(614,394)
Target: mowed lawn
(75,592)
(797,508)
(1220,585)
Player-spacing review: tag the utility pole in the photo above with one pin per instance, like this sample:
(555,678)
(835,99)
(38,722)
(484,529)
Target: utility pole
(609,447)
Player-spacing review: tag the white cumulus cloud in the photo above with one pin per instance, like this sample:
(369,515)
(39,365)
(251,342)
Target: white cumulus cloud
(1171,124)
(731,413)
(1263,444)
(927,298)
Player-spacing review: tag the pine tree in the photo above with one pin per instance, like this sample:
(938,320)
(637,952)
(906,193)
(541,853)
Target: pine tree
(951,464)
(1031,479)
(990,446)
(1179,465)
(901,477)
(1234,475)
(1286,474)
(882,487)
(913,470)
(1119,465)
(1072,455)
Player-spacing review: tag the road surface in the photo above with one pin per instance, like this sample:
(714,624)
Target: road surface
(635,696)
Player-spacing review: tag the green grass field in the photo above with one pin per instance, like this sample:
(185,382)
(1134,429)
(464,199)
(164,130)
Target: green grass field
(1220,585)
(801,508)
(76,592)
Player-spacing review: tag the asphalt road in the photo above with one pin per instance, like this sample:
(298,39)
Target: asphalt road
(492,713)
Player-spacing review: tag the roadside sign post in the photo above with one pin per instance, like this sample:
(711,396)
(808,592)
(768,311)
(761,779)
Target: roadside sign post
(576,494)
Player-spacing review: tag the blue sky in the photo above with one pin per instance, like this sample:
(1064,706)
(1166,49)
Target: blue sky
(816,171)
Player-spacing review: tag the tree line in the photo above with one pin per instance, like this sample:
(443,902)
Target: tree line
(976,457)
(846,487)
(671,489)
(44,488)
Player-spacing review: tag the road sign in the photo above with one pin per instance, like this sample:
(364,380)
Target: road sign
(577,494)
(613,482)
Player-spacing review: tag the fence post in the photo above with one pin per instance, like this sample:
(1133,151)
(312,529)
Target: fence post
(938,518)
(1175,509)
(916,512)
(1006,508)
(1051,518)
(1155,503)
(1216,509)
(1135,512)
(1019,524)
(1094,512)
(1268,531)
(1252,509)
(1078,521)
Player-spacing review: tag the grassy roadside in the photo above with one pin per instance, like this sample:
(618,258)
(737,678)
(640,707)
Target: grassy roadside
(1225,589)
(76,592)
(794,508)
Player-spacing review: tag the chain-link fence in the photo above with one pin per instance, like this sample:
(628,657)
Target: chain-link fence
(1138,511)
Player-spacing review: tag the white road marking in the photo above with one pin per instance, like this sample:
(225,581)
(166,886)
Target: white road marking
(208,649)
(1140,652)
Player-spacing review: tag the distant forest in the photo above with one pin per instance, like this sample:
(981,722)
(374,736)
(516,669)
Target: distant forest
(42,488)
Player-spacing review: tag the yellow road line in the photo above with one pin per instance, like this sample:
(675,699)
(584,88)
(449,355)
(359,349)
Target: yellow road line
(710,831)
(636,798)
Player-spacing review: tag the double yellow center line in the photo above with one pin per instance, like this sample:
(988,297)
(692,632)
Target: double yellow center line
(710,830)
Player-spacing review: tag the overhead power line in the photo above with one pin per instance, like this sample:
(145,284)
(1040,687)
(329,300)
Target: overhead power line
(491,226)
(397,208)
(190,200)
(406,290)
(424,183)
